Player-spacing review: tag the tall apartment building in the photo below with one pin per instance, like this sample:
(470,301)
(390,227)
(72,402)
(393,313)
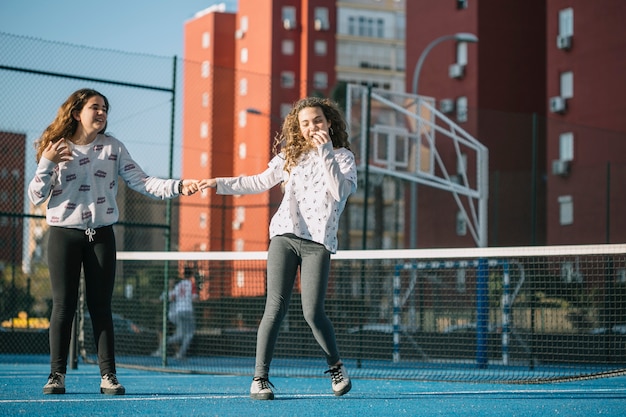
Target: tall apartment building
(370,43)
(586,129)
(370,51)
(541,89)
(513,90)
(243,71)
(474,83)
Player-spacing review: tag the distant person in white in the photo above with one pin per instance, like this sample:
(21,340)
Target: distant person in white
(181,298)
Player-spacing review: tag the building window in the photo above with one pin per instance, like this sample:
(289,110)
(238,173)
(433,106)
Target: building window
(369,27)
(285,108)
(204,130)
(461,164)
(288,47)
(243,118)
(204,159)
(206,40)
(321,18)
(461,4)
(461,280)
(321,48)
(567,84)
(240,217)
(206,69)
(352,26)
(243,86)
(241,275)
(566,210)
(361,26)
(287,79)
(461,109)
(203,220)
(289,17)
(380,28)
(461,224)
(566,22)
(239,248)
(240,214)
(320,80)
(243,24)
(243,151)
(205,100)
(243,56)
(566,146)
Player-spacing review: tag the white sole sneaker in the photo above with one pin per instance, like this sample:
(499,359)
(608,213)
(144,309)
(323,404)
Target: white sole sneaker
(261,389)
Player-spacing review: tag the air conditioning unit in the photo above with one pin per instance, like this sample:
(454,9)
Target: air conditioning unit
(446,105)
(558,104)
(560,167)
(456,71)
(564,42)
(289,24)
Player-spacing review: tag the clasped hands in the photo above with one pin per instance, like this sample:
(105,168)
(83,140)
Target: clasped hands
(193,186)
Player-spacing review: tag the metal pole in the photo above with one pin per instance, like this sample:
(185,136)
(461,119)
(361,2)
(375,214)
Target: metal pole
(482,312)
(533,185)
(367,165)
(461,37)
(365,198)
(168,221)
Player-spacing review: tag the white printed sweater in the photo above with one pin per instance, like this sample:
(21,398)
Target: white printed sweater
(81,192)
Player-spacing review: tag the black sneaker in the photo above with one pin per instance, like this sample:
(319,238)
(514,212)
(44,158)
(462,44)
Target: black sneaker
(56,384)
(260,389)
(339,379)
(110,385)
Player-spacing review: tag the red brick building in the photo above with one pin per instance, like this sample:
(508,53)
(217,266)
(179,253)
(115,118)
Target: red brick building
(542,90)
(243,71)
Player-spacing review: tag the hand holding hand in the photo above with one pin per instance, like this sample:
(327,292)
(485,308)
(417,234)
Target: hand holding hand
(190,187)
(207,183)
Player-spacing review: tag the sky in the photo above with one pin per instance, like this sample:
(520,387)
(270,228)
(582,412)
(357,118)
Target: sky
(147,27)
(141,26)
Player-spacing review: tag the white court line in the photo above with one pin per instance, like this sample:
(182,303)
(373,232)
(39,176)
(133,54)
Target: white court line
(153,398)
(585,391)
(398,395)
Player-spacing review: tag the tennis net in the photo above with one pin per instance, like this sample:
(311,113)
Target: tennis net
(525,314)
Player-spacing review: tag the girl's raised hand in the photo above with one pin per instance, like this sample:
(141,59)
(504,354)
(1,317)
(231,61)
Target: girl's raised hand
(58,151)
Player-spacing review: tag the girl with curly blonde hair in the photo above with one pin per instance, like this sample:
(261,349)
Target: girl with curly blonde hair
(318,173)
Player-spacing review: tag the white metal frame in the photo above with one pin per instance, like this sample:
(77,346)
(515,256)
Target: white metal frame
(429,125)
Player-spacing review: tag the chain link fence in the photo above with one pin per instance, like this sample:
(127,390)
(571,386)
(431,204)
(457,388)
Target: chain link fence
(35,78)
(145,96)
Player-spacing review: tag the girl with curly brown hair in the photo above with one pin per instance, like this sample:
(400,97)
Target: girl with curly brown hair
(318,173)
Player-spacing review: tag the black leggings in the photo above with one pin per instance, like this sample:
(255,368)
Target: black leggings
(68,251)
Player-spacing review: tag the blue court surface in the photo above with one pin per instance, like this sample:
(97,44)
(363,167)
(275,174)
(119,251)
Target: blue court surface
(177,394)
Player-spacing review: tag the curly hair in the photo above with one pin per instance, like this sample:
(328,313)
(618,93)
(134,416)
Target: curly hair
(291,141)
(64,124)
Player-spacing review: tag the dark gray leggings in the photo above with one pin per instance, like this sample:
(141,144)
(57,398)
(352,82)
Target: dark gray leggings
(285,254)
